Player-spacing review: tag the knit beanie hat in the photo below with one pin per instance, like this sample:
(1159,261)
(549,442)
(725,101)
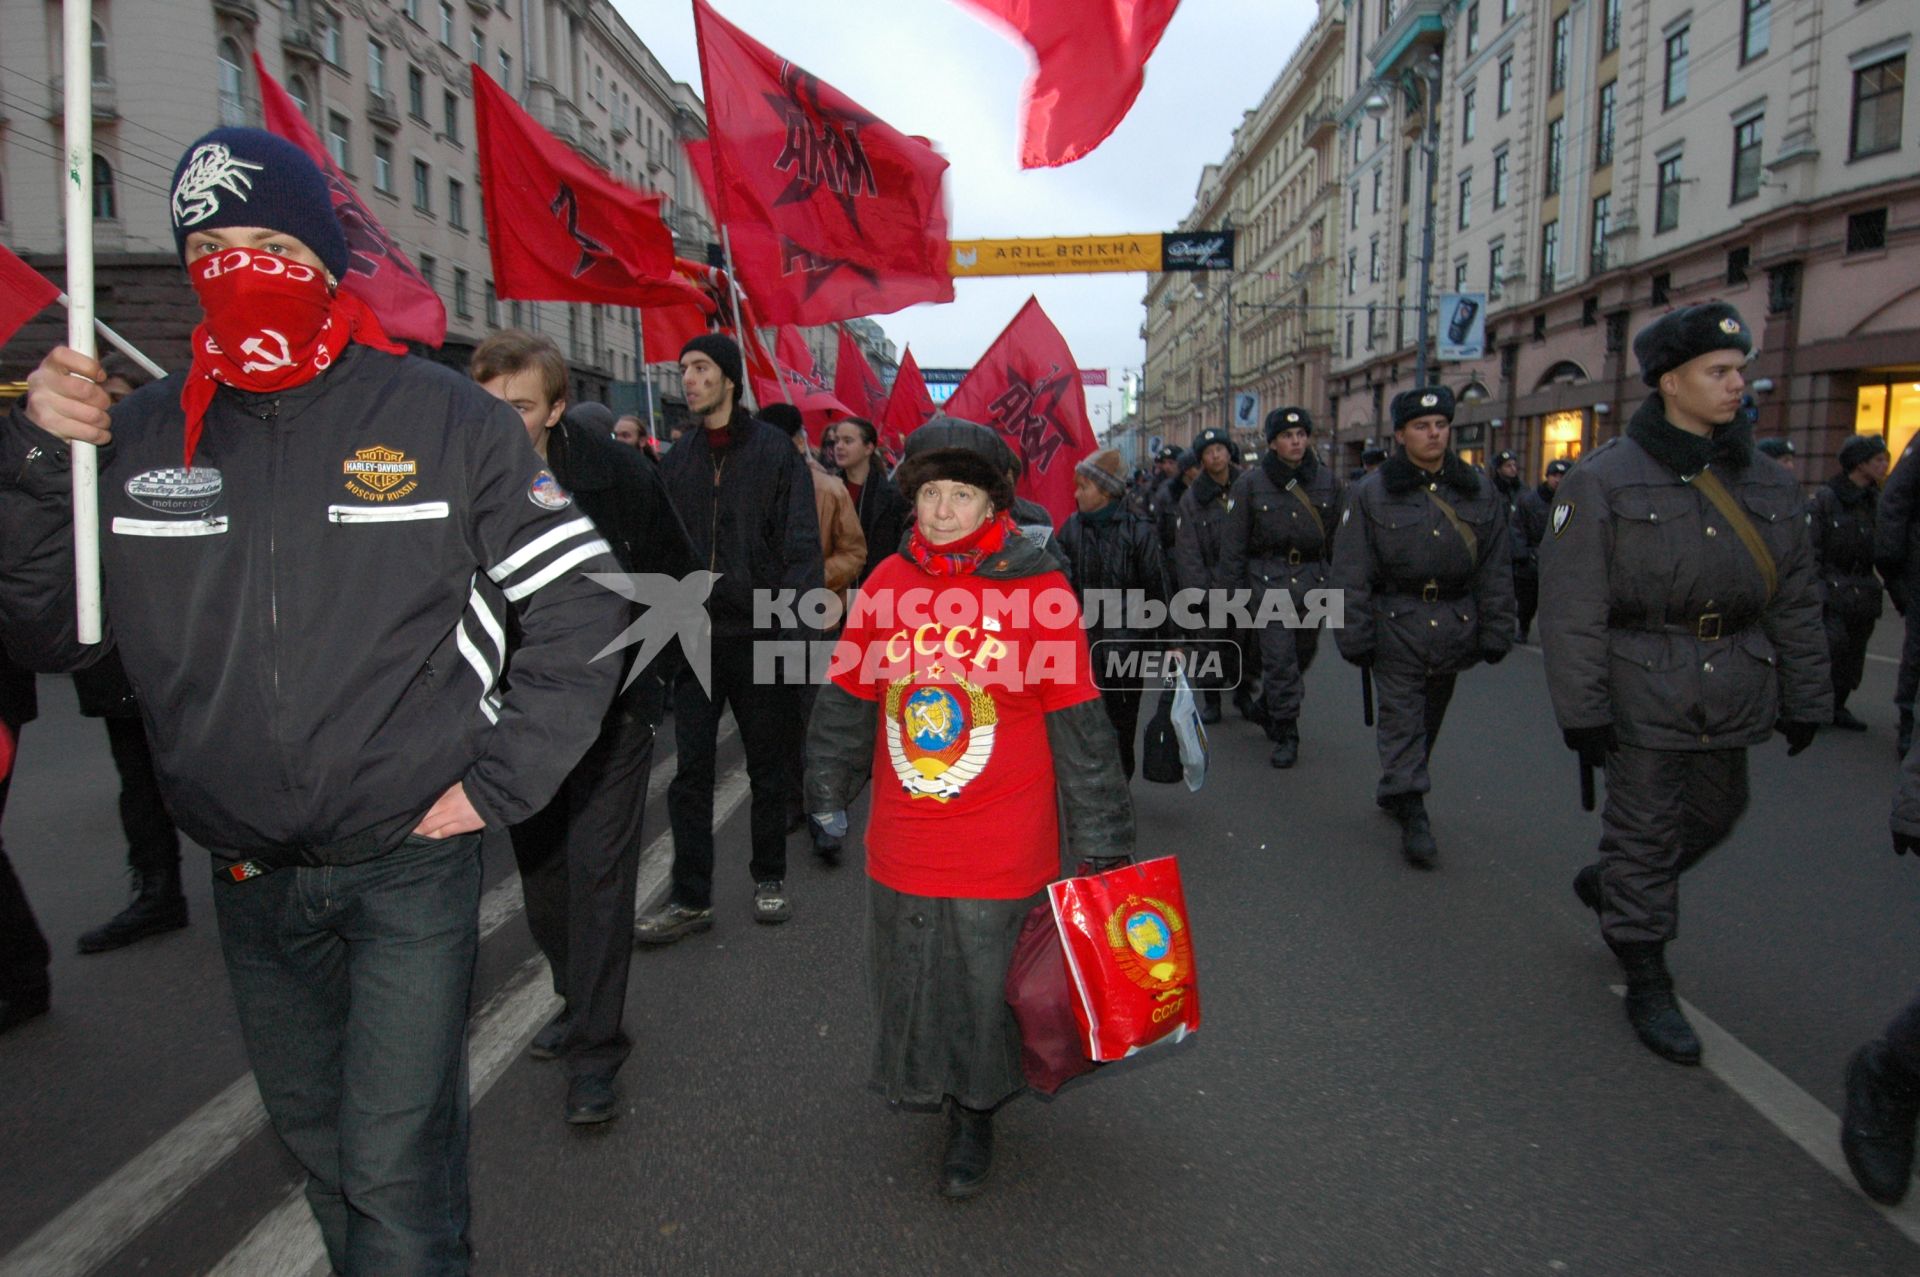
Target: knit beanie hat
(1105,470)
(724,352)
(249,177)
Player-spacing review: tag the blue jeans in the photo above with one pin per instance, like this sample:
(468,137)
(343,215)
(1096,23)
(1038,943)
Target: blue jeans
(352,985)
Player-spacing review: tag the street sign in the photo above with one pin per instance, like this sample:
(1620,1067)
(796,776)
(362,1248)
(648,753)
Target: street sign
(1463,326)
(1090,254)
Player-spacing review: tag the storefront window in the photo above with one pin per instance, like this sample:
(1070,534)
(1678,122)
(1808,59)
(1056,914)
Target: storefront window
(1891,411)
(1560,437)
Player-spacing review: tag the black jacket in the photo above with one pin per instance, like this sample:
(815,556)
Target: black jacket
(1279,528)
(1842,527)
(1118,553)
(749,514)
(312,617)
(884,518)
(1165,509)
(1530,518)
(1196,544)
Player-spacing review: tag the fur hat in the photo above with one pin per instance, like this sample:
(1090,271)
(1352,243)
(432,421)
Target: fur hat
(1559,465)
(961,465)
(1288,419)
(1775,447)
(1684,335)
(1373,456)
(1211,436)
(1168,452)
(1422,401)
(249,177)
(1859,450)
(941,432)
(1105,470)
(1503,456)
(725,353)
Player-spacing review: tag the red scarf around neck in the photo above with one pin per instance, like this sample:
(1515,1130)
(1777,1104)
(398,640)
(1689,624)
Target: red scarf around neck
(960,558)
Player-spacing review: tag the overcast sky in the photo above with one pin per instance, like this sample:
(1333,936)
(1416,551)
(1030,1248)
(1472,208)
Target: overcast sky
(935,68)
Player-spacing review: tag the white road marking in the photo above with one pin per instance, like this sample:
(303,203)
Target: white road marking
(288,1240)
(85,1234)
(1800,1117)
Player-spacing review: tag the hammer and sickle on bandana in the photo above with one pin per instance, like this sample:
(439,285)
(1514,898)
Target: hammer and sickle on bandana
(590,248)
(263,359)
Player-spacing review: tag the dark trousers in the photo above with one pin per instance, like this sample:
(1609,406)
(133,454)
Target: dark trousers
(1123,710)
(1526,597)
(153,845)
(23,949)
(799,698)
(1847,647)
(765,736)
(579,858)
(1903,1035)
(1665,810)
(1285,654)
(352,985)
(1907,681)
(1411,705)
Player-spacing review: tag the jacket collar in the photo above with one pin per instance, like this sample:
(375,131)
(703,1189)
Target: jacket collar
(1206,491)
(577,463)
(1021,556)
(1400,475)
(1684,453)
(1849,493)
(1280,474)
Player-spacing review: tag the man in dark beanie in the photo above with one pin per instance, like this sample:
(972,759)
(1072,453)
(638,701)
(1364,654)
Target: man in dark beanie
(1844,508)
(310,544)
(1278,539)
(1681,624)
(746,499)
(1530,515)
(1423,563)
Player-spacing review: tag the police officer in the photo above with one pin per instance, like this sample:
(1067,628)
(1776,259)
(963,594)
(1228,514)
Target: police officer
(1196,544)
(1278,537)
(1165,479)
(1843,514)
(1530,513)
(1681,624)
(1422,556)
(1781,450)
(1167,494)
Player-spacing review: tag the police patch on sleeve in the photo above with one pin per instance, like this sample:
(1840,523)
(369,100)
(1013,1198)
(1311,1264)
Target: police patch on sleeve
(545,491)
(1562,515)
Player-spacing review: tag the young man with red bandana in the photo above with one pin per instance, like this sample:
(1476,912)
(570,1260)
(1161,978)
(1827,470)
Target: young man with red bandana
(309,543)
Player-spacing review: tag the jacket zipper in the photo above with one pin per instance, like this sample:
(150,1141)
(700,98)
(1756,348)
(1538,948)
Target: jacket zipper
(713,517)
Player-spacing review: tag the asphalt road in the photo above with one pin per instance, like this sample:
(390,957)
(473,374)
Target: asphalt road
(1398,1072)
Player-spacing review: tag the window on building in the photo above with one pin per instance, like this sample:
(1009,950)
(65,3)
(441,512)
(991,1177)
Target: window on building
(1507,10)
(450,116)
(1503,91)
(573,331)
(430,270)
(1376,188)
(1349,336)
(106,207)
(1467,120)
(1747,138)
(479,51)
(1496,268)
(376,66)
(599,84)
(1562,34)
(1676,82)
(491,303)
(446,23)
(1603,125)
(506,70)
(1549,255)
(1597,249)
(1891,410)
(329,25)
(417,94)
(1404,241)
(412,10)
(98,54)
(1556,153)
(1460,276)
(1879,95)
(233,85)
(1473,29)
(1466,200)
(1756,29)
(1667,204)
(1353,271)
(1739,262)
(422,186)
(1609,26)
(1867,231)
(1662,289)
(1353,209)
(1356,144)
(1500,179)
(595,344)
(302,96)
(338,142)
(383,166)
(1560,435)
(1406,175)
(1373,259)
(462,303)
(456,204)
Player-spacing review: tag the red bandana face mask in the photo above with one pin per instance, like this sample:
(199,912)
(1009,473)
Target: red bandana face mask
(270,325)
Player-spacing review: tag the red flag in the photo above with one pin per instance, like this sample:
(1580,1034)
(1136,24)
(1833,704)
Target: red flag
(560,229)
(908,405)
(802,385)
(24,293)
(667,327)
(1027,387)
(854,382)
(1092,61)
(831,213)
(380,274)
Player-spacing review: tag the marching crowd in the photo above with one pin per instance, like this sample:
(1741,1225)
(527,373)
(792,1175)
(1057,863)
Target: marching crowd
(1690,601)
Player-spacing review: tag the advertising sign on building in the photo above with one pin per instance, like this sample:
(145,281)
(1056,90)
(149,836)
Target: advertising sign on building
(1246,410)
(1196,250)
(1463,326)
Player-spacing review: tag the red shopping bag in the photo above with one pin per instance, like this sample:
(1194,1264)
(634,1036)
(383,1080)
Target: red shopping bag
(1051,1054)
(1129,956)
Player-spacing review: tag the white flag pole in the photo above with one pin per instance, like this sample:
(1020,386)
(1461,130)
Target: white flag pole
(122,345)
(77,46)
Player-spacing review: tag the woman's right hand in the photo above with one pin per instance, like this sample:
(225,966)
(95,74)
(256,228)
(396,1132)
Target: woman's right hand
(65,397)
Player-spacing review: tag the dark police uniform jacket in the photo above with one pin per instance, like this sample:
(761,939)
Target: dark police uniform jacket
(1654,615)
(1197,539)
(1279,532)
(1842,529)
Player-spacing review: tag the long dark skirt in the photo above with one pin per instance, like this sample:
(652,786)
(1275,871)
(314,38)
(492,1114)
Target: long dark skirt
(936,974)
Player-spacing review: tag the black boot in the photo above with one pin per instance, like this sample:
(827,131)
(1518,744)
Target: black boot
(1416,834)
(969,1155)
(18,1008)
(1651,1007)
(1903,740)
(1586,885)
(1250,707)
(1876,1132)
(158,906)
(1286,743)
(1844,718)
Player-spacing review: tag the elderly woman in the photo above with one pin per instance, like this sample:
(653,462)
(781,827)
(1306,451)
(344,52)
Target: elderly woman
(962,685)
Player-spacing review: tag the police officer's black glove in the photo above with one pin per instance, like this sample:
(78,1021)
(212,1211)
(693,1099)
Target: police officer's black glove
(1904,843)
(1493,658)
(1101,864)
(1593,744)
(1799,735)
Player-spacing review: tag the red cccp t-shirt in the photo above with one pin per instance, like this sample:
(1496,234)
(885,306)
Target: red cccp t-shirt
(965,671)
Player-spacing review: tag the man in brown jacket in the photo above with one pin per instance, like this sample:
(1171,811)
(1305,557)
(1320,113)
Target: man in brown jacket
(1680,619)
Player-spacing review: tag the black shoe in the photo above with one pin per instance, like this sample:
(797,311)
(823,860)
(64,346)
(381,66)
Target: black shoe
(550,1043)
(825,845)
(591,1099)
(1652,1009)
(18,1008)
(1844,719)
(1876,1131)
(1416,833)
(1250,707)
(770,902)
(1286,744)
(674,922)
(157,907)
(1586,885)
(969,1157)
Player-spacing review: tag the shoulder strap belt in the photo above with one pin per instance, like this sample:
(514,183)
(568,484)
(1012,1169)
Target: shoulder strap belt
(1715,491)
(1300,495)
(1453,517)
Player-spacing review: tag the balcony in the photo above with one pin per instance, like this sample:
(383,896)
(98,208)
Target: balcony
(1315,123)
(1419,23)
(382,111)
(300,42)
(105,104)
(592,145)
(481,8)
(239,10)
(619,131)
